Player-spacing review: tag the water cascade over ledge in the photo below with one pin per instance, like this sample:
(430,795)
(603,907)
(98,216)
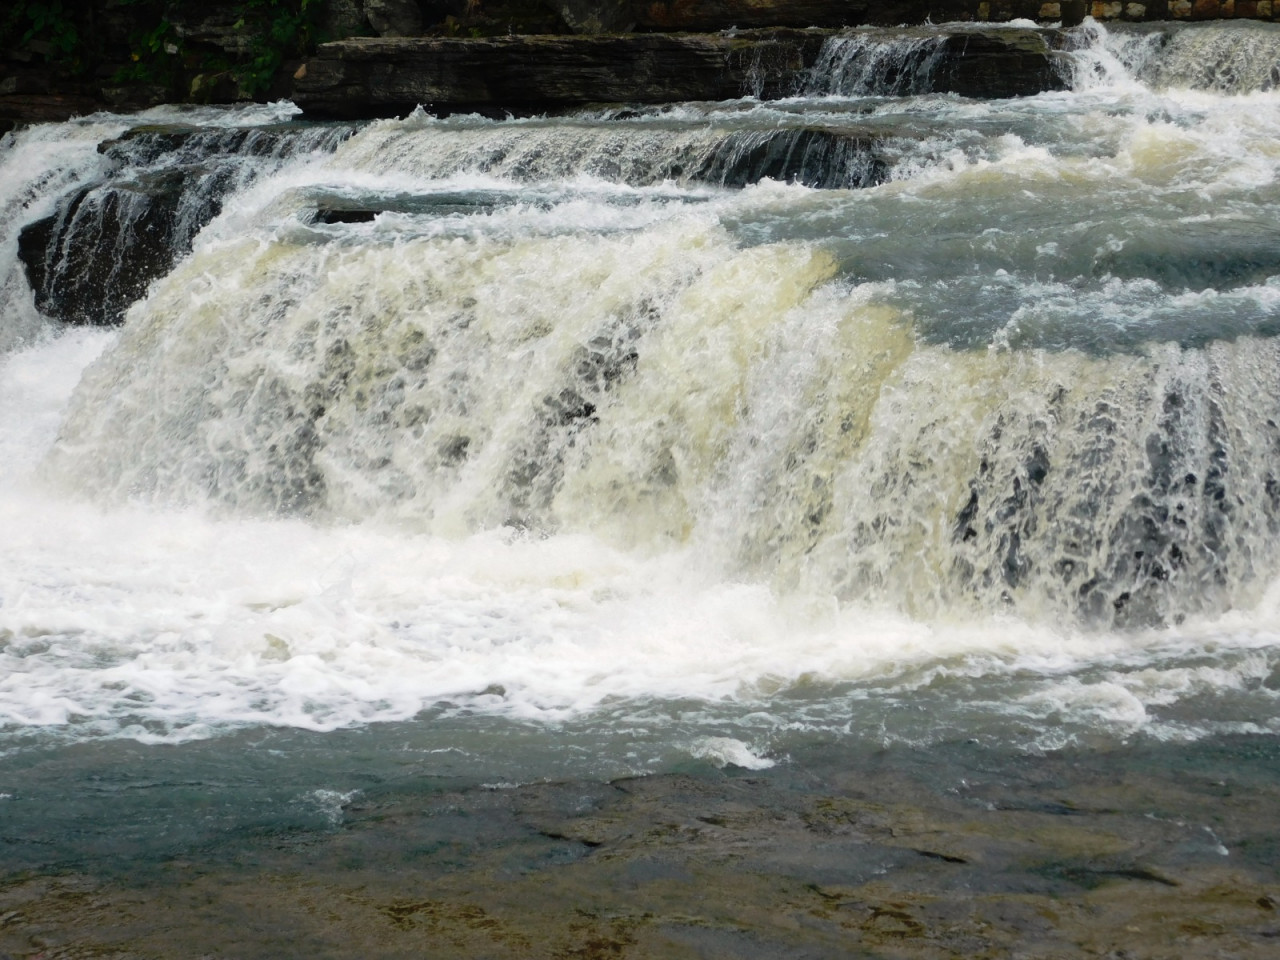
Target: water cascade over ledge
(774,407)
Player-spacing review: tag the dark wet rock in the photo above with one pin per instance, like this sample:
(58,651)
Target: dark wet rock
(45,108)
(137,96)
(358,78)
(107,241)
(384,77)
(999,63)
(181,144)
(346,216)
(24,84)
(394,18)
(813,157)
(745,14)
(142,143)
(94,257)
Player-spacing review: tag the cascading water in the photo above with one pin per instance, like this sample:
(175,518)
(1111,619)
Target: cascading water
(623,419)
(161,186)
(868,63)
(1228,58)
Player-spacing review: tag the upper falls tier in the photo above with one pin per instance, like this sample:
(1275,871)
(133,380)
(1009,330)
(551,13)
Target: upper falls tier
(378,77)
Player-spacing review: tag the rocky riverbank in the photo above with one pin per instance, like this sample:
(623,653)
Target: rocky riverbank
(954,851)
(109,55)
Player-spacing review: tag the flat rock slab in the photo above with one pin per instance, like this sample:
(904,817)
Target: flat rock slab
(1154,852)
(718,14)
(22,108)
(382,77)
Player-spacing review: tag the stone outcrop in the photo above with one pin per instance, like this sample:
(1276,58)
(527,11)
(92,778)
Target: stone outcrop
(127,56)
(394,18)
(18,108)
(377,77)
(97,255)
(107,241)
(745,14)
(815,157)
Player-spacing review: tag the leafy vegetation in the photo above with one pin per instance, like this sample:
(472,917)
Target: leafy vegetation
(280,29)
(46,22)
(159,53)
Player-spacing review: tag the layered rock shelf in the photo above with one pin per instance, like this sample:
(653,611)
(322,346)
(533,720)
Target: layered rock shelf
(105,54)
(380,77)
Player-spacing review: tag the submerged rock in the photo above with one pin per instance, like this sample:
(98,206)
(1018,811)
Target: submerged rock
(1150,852)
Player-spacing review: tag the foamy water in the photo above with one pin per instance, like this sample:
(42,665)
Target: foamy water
(569,433)
(164,625)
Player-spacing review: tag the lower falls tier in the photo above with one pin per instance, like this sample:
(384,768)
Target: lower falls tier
(676,388)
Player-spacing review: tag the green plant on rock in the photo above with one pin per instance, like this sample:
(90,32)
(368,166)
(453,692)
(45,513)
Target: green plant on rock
(44,21)
(156,53)
(280,29)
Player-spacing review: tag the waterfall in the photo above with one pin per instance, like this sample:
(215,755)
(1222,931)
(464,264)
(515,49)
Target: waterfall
(744,402)
(1222,57)
(867,62)
(162,186)
(644,151)
(1226,58)
(675,388)
(36,168)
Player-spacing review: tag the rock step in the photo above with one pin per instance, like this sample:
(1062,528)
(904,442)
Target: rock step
(97,253)
(366,78)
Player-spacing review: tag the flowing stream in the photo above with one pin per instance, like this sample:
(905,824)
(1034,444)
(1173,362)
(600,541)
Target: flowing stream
(608,443)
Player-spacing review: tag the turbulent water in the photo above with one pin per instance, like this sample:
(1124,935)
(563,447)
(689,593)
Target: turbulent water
(641,435)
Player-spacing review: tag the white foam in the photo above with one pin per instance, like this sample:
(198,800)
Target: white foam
(165,625)
(726,751)
(34,386)
(658,574)
(331,802)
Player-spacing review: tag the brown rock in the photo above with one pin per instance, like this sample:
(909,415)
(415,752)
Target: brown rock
(379,77)
(748,14)
(45,108)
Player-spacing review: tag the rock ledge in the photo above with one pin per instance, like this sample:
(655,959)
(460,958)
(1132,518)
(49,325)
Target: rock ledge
(522,75)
